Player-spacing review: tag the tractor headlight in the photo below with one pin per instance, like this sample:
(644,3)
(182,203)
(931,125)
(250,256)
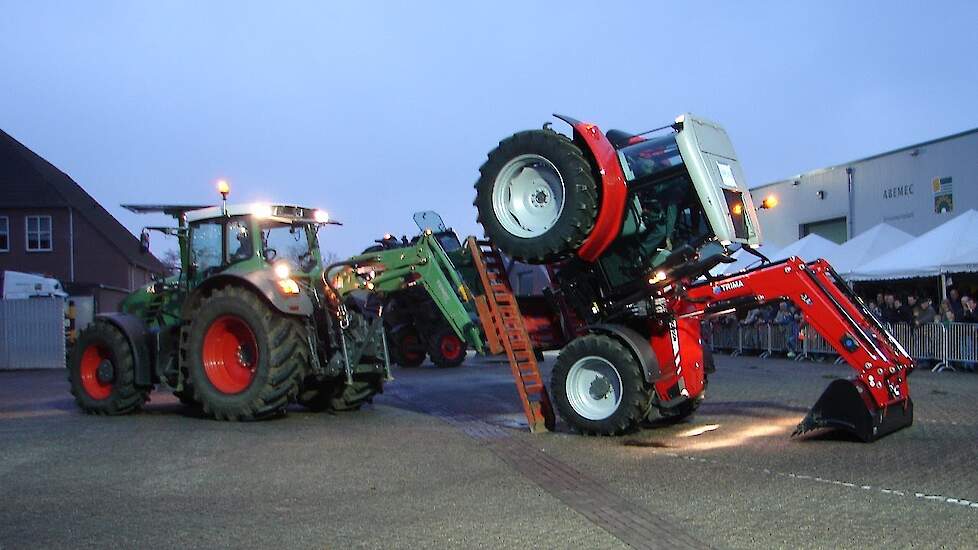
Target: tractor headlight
(288,287)
(321,216)
(282,270)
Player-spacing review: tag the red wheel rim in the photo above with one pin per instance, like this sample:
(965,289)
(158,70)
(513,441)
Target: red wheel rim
(451,347)
(94,356)
(230,354)
(410,348)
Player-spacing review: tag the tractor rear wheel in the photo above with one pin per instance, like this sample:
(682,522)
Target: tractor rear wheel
(598,386)
(446,349)
(537,196)
(102,372)
(405,347)
(245,359)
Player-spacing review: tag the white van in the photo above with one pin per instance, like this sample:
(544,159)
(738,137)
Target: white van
(17,286)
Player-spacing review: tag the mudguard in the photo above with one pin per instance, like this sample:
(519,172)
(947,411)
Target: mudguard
(134,330)
(613,189)
(263,283)
(637,343)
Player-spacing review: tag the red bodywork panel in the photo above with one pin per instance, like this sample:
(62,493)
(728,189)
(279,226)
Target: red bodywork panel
(679,351)
(613,192)
(881,364)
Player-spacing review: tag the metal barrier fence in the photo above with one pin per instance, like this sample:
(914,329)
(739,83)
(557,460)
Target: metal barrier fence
(946,344)
(32,333)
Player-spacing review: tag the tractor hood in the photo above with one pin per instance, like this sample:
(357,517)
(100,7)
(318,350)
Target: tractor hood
(719,180)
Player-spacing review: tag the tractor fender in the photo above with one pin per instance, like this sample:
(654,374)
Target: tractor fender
(613,189)
(134,330)
(638,344)
(262,283)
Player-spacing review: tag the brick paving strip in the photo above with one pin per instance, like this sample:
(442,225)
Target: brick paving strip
(629,523)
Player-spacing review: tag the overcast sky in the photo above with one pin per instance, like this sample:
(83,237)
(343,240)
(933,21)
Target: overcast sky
(373,110)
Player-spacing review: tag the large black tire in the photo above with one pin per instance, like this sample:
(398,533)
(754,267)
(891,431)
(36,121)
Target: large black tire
(317,395)
(580,200)
(405,347)
(602,352)
(446,349)
(338,396)
(102,371)
(270,345)
(361,391)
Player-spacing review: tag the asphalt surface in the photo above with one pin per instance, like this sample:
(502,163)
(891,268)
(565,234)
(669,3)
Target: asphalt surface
(443,459)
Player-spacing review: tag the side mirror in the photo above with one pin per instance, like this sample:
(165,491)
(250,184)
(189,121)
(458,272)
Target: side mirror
(144,242)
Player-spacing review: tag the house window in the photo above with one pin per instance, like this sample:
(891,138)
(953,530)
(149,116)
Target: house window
(38,233)
(4,234)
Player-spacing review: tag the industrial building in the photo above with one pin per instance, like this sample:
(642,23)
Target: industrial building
(914,188)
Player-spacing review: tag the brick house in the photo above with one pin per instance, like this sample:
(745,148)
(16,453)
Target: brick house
(51,226)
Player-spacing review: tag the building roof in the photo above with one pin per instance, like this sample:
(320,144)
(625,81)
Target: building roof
(871,157)
(29,181)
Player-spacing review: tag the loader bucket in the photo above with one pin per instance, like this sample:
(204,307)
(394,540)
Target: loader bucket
(844,407)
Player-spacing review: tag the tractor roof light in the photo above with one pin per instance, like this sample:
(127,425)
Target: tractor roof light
(282,270)
(738,209)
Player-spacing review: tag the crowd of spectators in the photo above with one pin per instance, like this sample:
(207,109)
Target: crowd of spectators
(919,311)
(890,308)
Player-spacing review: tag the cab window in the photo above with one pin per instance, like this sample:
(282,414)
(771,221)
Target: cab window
(239,242)
(205,246)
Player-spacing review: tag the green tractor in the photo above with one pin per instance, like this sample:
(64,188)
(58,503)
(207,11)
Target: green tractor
(416,326)
(253,321)
(246,327)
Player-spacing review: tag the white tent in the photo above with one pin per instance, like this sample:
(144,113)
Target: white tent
(951,247)
(744,260)
(867,246)
(810,247)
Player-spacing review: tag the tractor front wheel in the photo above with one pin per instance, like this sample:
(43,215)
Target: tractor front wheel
(102,372)
(446,349)
(598,386)
(405,347)
(245,359)
(536,196)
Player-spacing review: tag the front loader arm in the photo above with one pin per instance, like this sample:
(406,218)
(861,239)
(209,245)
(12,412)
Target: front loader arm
(424,263)
(832,309)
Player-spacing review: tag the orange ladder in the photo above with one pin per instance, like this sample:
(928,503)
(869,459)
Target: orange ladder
(503,326)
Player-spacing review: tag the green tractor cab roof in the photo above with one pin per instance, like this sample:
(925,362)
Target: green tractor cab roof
(281,212)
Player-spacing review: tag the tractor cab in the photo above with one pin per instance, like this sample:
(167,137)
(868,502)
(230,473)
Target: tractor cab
(244,238)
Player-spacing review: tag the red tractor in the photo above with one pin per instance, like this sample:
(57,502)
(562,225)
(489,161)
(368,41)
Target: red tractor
(630,226)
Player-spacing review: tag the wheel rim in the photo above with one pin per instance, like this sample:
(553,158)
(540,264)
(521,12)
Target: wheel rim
(409,348)
(97,372)
(450,347)
(230,354)
(594,388)
(528,196)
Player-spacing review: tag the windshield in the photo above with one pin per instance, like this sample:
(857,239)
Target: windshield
(287,242)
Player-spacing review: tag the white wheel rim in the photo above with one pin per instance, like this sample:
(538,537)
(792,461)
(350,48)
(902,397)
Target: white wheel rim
(528,196)
(594,387)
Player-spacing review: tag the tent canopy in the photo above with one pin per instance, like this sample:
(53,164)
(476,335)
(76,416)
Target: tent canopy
(867,246)
(811,247)
(948,248)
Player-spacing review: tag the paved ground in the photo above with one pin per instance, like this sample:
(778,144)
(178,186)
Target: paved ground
(441,460)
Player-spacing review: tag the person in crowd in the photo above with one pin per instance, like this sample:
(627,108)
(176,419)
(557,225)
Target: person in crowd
(786,321)
(955,298)
(889,309)
(944,308)
(909,310)
(926,313)
(968,313)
